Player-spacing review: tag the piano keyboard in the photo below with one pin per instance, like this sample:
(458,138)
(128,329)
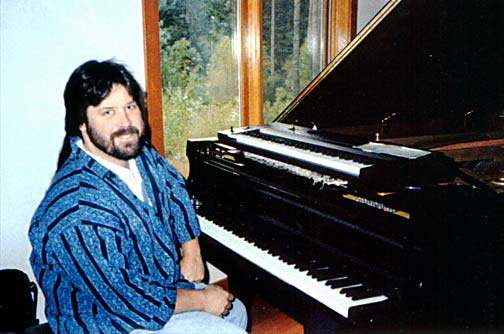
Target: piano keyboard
(331,292)
(331,162)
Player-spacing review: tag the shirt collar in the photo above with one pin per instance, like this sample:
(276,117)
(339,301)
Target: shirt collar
(119,170)
(131,176)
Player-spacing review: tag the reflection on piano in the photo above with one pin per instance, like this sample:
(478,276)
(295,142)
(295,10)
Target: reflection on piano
(388,214)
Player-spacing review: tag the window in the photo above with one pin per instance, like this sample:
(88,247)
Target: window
(293,40)
(222,63)
(199,71)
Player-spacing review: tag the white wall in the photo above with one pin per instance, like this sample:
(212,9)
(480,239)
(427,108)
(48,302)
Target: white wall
(41,43)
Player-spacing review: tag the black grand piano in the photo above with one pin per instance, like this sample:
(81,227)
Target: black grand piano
(375,201)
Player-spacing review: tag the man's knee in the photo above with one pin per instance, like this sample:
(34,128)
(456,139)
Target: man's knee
(238,314)
(201,322)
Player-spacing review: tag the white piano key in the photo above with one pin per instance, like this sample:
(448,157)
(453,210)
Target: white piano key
(332,298)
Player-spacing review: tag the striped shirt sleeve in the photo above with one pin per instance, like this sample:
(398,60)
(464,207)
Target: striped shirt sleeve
(183,218)
(185,222)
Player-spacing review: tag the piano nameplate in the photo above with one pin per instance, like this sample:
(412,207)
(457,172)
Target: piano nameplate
(377,205)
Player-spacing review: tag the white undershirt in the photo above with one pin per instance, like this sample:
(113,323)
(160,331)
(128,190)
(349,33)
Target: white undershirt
(131,176)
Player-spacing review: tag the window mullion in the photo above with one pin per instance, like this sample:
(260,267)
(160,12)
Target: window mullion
(251,60)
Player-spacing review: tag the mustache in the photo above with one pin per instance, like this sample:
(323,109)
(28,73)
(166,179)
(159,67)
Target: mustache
(125,131)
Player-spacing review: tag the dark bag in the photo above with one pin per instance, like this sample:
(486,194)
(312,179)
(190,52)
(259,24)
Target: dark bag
(18,301)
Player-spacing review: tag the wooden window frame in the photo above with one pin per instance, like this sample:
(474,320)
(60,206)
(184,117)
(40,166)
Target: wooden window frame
(342,25)
(342,22)
(250,62)
(153,81)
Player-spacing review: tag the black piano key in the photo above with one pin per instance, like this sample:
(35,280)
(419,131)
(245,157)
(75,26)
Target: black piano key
(287,257)
(276,244)
(326,273)
(341,283)
(293,254)
(264,245)
(302,256)
(313,262)
(303,264)
(288,254)
(225,223)
(360,292)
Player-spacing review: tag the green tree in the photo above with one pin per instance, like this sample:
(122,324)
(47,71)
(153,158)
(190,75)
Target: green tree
(172,21)
(282,98)
(202,22)
(295,46)
(181,67)
(183,94)
(222,72)
(221,17)
(283,29)
(199,74)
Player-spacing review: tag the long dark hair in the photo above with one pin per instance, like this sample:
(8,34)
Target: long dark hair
(89,85)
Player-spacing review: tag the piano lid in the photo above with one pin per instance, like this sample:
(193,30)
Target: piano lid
(420,68)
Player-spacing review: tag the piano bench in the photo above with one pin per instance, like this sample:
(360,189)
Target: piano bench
(216,276)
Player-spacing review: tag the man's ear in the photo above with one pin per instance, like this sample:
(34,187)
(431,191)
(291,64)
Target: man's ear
(83,130)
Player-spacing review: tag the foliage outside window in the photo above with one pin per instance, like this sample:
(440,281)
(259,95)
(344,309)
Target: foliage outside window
(199,72)
(199,67)
(293,50)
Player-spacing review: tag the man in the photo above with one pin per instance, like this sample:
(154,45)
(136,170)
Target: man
(115,246)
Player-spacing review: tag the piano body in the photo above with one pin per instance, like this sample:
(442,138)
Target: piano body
(375,200)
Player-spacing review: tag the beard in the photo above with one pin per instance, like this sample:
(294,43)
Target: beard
(123,150)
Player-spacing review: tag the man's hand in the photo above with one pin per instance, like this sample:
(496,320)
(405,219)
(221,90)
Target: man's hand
(191,264)
(213,299)
(217,300)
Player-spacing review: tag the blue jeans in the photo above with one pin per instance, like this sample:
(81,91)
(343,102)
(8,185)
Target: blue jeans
(197,322)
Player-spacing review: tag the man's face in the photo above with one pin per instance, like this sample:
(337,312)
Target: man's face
(114,127)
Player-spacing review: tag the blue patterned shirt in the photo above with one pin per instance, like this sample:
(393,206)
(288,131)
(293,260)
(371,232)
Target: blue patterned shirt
(106,261)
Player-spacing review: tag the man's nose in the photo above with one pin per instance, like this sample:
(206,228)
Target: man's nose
(124,118)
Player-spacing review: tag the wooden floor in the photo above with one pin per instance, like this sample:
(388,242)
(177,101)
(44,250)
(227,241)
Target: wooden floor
(267,319)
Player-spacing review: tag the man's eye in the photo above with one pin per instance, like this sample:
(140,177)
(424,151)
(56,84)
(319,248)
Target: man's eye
(108,112)
(132,106)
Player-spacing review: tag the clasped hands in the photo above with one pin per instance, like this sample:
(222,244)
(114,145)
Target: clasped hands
(217,300)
